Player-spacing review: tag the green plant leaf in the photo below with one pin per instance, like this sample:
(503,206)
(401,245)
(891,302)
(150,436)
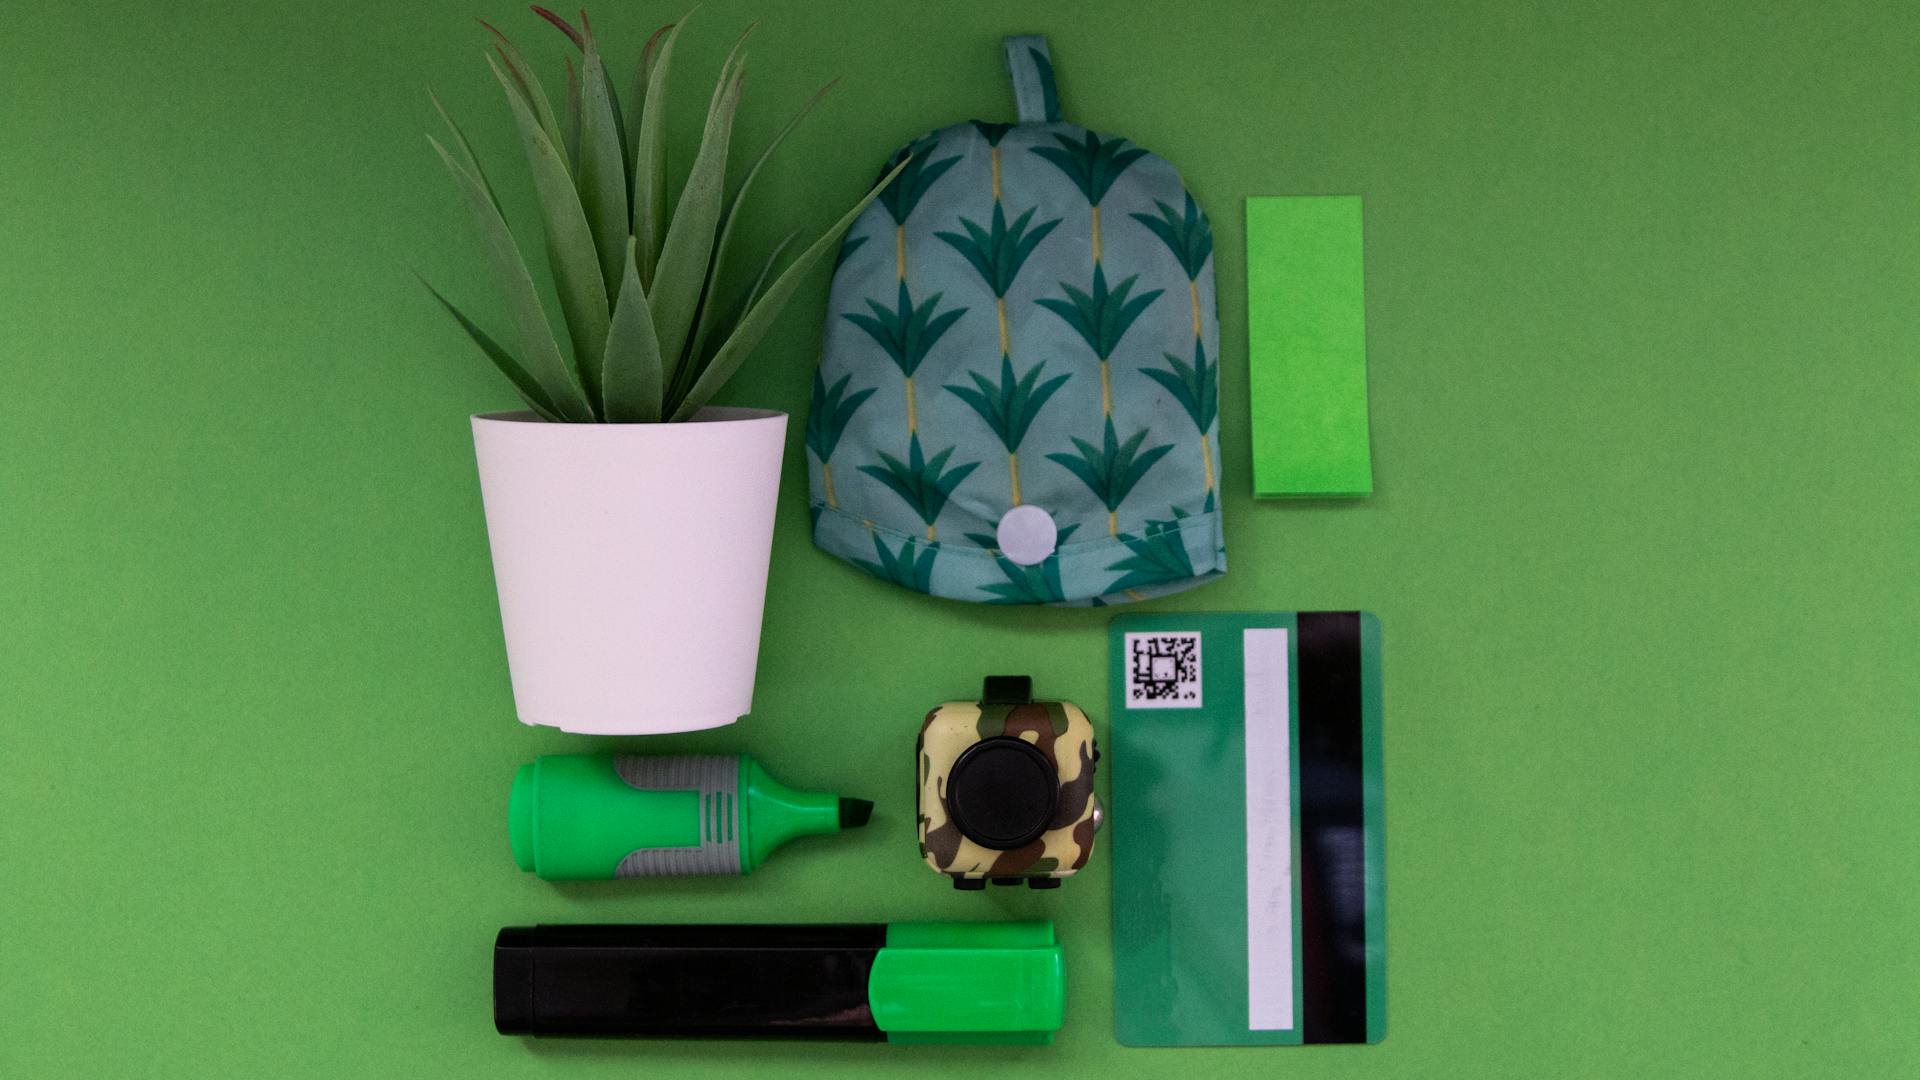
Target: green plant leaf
(571,129)
(526,384)
(690,372)
(570,250)
(460,142)
(538,349)
(759,318)
(532,94)
(708,316)
(622,138)
(759,286)
(635,381)
(650,156)
(581,36)
(744,303)
(681,276)
(603,170)
(642,72)
(563,25)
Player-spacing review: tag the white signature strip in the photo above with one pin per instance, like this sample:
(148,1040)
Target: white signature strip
(1269,744)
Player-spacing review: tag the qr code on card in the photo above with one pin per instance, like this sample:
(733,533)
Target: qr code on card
(1163,671)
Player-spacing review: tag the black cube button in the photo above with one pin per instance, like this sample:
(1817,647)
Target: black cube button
(1002,792)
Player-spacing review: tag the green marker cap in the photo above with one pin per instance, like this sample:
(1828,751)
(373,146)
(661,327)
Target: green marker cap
(969,982)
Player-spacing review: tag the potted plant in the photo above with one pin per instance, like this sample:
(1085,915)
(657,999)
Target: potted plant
(630,521)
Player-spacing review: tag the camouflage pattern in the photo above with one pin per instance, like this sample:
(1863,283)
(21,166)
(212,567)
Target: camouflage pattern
(1057,729)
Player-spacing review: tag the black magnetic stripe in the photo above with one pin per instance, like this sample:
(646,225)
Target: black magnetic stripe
(1333,935)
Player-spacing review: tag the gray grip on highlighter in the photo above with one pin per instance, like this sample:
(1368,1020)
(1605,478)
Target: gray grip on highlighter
(717,779)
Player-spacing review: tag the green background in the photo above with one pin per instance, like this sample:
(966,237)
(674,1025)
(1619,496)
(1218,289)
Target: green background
(1642,288)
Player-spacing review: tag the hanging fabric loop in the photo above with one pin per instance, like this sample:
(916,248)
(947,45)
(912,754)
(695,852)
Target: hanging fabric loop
(1031,69)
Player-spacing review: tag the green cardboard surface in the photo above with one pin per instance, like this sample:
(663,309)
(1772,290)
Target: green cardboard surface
(1643,393)
(1307,346)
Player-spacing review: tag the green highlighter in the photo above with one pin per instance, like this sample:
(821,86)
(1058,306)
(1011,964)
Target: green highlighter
(585,817)
(992,983)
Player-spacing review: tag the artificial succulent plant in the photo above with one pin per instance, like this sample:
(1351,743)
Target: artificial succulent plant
(651,331)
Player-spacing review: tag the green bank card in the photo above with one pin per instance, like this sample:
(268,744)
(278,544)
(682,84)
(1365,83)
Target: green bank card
(1248,844)
(1307,346)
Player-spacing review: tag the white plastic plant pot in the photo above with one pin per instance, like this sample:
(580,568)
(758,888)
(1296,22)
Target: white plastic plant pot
(631,561)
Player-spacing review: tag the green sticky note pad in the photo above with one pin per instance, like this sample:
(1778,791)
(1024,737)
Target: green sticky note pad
(1248,829)
(1307,346)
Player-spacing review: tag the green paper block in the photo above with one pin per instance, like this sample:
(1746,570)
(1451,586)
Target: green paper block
(1307,346)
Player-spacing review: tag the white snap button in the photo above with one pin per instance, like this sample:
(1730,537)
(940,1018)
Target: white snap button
(1027,535)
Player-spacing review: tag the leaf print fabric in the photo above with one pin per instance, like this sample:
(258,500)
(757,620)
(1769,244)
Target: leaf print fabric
(1025,317)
